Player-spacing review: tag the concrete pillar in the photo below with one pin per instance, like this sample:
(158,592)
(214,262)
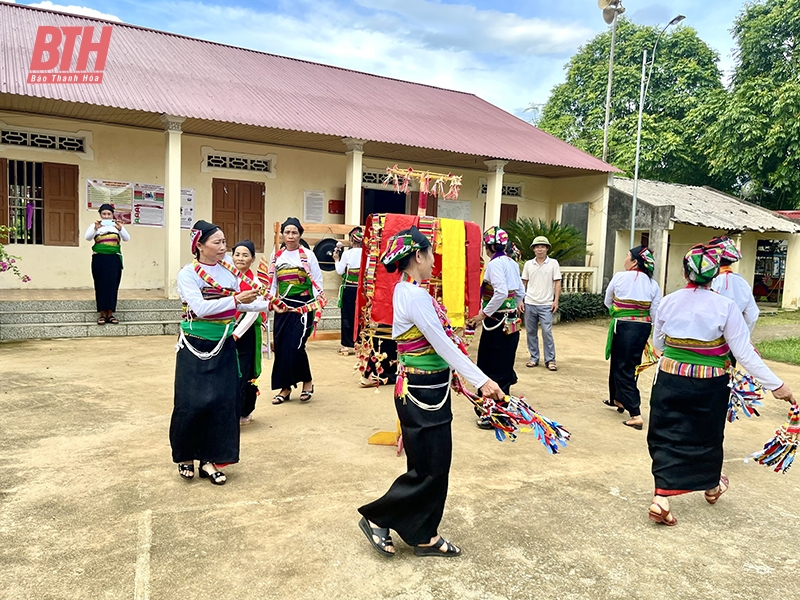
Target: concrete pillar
(596,229)
(352,200)
(737,241)
(494,192)
(791,283)
(659,245)
(172,203)
(748,246)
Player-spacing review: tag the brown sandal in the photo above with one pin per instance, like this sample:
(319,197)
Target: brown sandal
(551,366)
(663,516)
(712,498)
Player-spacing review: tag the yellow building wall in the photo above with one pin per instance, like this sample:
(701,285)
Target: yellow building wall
(129,154)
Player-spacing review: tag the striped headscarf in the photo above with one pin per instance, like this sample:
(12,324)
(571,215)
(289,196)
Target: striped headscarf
(495,236)
(701,264)
(399,246)
(644,259)
(728,250)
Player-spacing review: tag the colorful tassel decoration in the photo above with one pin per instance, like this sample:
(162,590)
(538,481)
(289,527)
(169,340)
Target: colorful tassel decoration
(649,358)
(746,395)
(513,415)
(779,452)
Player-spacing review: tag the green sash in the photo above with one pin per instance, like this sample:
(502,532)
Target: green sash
(694,358)
(109,249)
(257,357)
(208,330)
(616,313)
(426,362)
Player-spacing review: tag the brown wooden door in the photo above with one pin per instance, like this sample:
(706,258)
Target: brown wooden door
(508,212)
(238,208)
(60,185)
(432,209)
(3,193)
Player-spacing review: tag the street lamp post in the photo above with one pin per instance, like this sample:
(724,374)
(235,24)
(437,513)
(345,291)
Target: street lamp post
(642,94)
(611,10)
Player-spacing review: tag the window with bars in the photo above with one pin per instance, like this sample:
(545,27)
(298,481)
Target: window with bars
(25,202)
(52,141)
(39,202)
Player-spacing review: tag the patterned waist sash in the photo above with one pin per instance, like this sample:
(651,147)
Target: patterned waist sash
(626,310)
(351,277)
(487,291)
(224,317)
(107,243)
(293,281)
(674,367)
(698,352)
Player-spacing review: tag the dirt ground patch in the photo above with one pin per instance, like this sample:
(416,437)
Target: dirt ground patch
(92,508)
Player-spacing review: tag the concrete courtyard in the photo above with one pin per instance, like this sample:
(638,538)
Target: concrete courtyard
(91,506)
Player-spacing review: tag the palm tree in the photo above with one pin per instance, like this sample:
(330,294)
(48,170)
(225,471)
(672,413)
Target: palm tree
(566,241)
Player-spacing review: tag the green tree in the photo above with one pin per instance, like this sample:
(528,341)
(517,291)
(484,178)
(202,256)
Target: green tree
(566,241)
(684,73)
(751,134)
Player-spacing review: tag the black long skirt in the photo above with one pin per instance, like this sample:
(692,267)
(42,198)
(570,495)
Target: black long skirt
(627,346)
(388,364)
(205,417)
(686,431)
(107,274)
(348,315)
(414,504)
(246,351)
(497,352)
(290,365)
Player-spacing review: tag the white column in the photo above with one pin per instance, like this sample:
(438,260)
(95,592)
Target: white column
(172,204)
(737,240)
(494,192)
(596,237)
(352,200)
(791,283)
(659,244)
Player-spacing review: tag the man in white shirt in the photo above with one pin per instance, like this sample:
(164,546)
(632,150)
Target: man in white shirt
(541,278)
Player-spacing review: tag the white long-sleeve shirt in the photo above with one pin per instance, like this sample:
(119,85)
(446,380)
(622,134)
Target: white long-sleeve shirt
(502,273)
(190,285)
(634,285)
(91,232)
(349,259)
(292,259)
(734,286)
(413,306)
(700,314)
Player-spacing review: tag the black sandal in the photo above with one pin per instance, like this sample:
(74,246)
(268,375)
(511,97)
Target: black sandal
(217,477)
(186,470)
(449,551)
(278,399)
(113,320)
(613,404)
(305,396)
(382,533)
(101,321)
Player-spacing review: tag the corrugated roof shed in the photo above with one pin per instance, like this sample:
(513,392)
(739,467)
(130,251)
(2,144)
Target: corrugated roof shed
(707,207)
(156,72)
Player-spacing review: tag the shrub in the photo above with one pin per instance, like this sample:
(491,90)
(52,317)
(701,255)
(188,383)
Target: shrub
(566,241)
(581,306)
(8,262)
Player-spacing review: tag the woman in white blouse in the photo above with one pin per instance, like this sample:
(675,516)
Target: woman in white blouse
(107,233)
(414,504)
(696,329)
(632,299)
(348,265)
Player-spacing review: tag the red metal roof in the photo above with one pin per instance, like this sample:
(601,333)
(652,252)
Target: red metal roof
(160,72)
(790,214)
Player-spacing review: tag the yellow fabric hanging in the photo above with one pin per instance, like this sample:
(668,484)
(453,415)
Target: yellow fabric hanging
(454,269)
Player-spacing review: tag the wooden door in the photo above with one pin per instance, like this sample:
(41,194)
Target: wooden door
(251,213)
(432,210)
(60,183)
(508,212)
(237,207)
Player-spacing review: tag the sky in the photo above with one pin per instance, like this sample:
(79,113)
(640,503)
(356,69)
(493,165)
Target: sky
(509,52)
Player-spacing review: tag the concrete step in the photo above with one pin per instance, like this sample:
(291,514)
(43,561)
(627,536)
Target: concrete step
(84,305)
(35,331)
(84,316)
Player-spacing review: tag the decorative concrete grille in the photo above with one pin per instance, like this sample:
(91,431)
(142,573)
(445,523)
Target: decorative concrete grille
(51,141)
(373,177)
(512,190)
(238,162)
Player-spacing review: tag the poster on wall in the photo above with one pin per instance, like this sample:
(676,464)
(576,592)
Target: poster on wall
(454,209)
(119,194)
(148,204)
(313,206)
(187,209)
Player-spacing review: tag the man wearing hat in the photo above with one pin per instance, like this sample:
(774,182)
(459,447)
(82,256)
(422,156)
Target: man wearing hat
(541,278)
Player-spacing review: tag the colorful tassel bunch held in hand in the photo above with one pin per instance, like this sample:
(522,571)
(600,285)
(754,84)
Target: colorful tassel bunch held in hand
(746,395)
(779,452)
(513,415)
(649,358)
